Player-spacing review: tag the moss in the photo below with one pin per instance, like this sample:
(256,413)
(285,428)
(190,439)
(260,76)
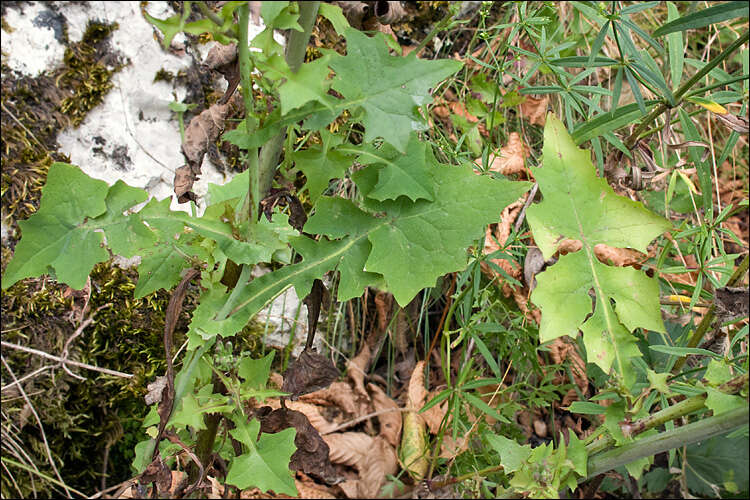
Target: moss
(163,76)
(36,109)
(86,71)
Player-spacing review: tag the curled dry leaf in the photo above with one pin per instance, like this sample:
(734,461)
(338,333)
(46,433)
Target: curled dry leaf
(202,131)
(223,59)
(413,451)
(511,267)
(354,12)
(157,472)
(373,458)
(155,390)
(389,12)
(311,455)
(737,123)
(561,349)
(356,369)
(534,109)
(512,157)
(533,264)
(311,411)
(390,422)
(308,373)
(619,257)
(383,306)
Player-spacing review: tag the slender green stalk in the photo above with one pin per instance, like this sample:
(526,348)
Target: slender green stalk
(247,96)
(181,384)
(685,88)
(661,417)
(708,318)
(681,436)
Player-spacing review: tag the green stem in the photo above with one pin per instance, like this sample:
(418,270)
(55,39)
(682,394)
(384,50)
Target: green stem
(182,381)
(685,88)
(708,318)
(661,417)
(681,436)
(247,96)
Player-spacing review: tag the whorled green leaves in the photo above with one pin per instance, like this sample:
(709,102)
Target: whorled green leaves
(579,205)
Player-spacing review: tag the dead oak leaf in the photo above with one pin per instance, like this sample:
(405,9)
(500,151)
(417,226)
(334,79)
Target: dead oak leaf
(534,109)
(390,420)
(511,158)
(372,457)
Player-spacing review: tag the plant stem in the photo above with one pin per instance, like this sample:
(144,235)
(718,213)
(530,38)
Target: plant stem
(681,436)
(243,53)
(709,316)
(684,89)
(673,412)
(296,48)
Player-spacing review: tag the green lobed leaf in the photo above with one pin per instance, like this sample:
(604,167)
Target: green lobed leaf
(512,454)
(308,84)
(266,463)
(255,372)
(401,245)
(579,205)
(321,164)
(387,88)
(399,174)
(335,15)
(56,238)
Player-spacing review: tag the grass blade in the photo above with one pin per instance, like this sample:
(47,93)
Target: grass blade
(701,18)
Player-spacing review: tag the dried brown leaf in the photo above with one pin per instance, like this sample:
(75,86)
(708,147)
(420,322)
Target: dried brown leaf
(338,393)
(562,349)
(512,157)
(383,306)
(511,267)
(312,412)
(356,369)
(416,392)
(200,133)
(390,422)
(157,472)
(311,455)
(451,448)
(618,256)
(309,373)
(373,458)
(534,109)
(434,415)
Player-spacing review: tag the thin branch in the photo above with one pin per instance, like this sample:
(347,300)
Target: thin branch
(357,420)
(66,361)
